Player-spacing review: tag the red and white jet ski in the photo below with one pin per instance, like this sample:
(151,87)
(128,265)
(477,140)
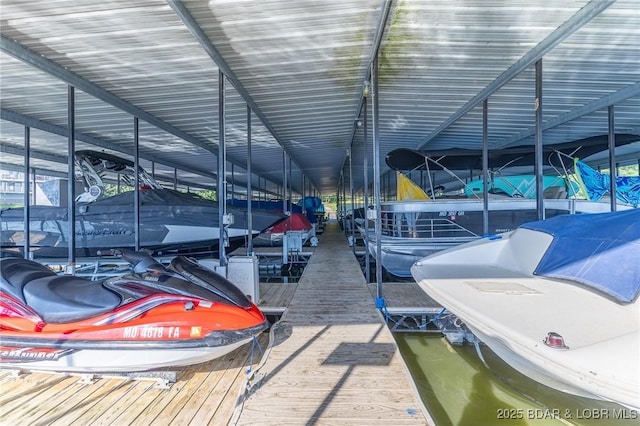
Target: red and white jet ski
(153,317)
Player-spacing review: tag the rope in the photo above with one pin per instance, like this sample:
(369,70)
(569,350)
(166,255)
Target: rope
(254,343)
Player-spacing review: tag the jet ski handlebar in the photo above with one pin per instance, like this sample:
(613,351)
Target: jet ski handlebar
(141,261)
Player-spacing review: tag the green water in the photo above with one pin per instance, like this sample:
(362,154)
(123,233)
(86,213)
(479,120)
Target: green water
(459,390)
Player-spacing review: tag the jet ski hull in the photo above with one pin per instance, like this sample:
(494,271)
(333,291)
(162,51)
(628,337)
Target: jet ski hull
(124,356)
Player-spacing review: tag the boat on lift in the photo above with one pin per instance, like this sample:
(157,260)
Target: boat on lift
(556,299)
(171,222)
(151,317)
(416,226)
(274,235)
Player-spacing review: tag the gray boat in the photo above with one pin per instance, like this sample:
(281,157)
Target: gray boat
(171,222)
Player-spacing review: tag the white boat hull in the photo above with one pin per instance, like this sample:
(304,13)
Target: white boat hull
(127,360)
(489,284)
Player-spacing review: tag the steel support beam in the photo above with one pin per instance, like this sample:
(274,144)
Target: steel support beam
(34,123)
(601,103)
(71,193)
(183,13)
(538,142)
(40,62)
(375,113)
(27,167)
(136,189)
(570,26)
(613,171)
(222,170)
(375,48)
(249,186)
(485,167)
(367,261)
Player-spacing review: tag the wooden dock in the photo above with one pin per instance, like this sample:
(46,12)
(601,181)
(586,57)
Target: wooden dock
(332,360)
(203,394)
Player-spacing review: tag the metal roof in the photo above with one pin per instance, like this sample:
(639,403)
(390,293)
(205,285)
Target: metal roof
(301,67)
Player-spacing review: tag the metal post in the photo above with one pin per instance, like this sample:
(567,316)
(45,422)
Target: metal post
(136,190)
(290,185)
(538,143)
(222,178)
(233,181)
(612,158)
(27,230)
(175,179)
(376,172)
(249,186)
(485,167)
(367,261)
(284,182)
(353,222)
(33,179)
(71,193)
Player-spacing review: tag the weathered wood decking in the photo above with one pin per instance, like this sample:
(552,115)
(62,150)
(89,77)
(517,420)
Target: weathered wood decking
(203,394)
(332,361)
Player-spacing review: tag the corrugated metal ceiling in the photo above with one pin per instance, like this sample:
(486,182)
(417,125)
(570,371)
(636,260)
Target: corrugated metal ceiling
(301,66)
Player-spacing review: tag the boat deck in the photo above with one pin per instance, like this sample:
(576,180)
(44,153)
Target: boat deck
(332,360)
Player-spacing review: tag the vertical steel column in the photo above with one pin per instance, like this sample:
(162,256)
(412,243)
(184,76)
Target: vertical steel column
(71,193)
(27,224)
(284,182)
(344,198)
(353,211)
(290,188)
(538,143)
(249,186)
(33,179)
(485,167)
(175,179)
(375,111)
(222,172)
(613,170)
(233,181)
(153,169)
(136,190)
(367,261)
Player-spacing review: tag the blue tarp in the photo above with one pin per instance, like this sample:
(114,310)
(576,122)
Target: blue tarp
(596,184)
(600,250)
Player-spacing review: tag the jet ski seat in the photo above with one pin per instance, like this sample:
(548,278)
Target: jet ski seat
(62,299)
(16,272)
(57,299)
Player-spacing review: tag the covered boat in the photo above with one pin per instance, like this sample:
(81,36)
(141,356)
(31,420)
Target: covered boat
(273,236)
(150,318)
(415,228)
(556,299)
(171,222)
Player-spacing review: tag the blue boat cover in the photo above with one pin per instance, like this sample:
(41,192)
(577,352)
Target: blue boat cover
(600,250)
(596,184)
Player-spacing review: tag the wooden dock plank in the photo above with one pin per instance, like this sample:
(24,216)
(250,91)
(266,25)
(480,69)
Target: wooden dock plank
(334,360)
(39,406)
(407,295)
(84,401)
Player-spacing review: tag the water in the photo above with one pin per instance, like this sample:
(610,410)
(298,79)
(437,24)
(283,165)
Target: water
(458,389)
